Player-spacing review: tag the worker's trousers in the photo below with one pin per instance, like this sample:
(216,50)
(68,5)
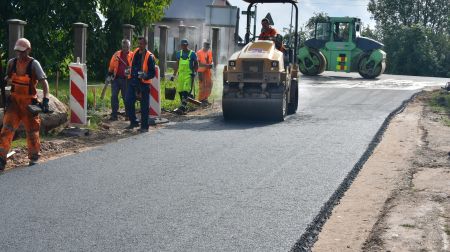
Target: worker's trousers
(16,113)
(118,85)
(204,85)
(135,88)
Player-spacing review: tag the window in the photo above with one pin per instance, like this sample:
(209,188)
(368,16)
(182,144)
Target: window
(323,31)
(341,32)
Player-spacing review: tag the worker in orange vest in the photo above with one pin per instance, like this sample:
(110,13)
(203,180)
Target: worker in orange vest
(267,31)
(118,65)
(205,64)
(142,72)
(23,74)
(270,33)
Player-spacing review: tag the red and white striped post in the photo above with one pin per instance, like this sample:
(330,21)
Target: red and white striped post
(155,95)
(78,93)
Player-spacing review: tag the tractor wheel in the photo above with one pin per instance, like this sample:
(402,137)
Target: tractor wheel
(314,67)
(293,104)
(367,69)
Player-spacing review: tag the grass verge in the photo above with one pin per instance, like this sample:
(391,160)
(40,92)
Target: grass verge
(440,103)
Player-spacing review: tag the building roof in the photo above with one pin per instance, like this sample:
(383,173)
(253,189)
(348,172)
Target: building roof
(184,9)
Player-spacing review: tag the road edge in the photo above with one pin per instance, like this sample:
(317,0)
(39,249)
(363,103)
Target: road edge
(310,236)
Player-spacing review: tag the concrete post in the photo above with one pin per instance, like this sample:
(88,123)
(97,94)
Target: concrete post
(193,38)
(16,31)
(80,36)
(163,39)
(215,45)
(151,38)
(145,35)
(128,31)
(182,32)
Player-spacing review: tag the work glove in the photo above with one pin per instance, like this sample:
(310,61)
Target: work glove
(127,71)
(8,81)
(192,75)
(172,78)
(210,66)
(45,107)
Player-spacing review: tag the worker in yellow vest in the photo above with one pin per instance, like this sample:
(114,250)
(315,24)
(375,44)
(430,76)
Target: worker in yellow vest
(186,67)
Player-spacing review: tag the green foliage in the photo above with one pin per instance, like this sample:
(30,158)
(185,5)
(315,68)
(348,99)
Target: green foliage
(316,18)
(370,33)
(410,51)
(416,34)
(50,29)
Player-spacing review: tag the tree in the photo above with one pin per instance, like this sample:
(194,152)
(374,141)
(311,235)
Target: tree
(316,18)
(432,14)
(50,30)
(415,34)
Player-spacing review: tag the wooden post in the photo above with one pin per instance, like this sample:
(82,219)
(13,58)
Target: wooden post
(95,100)
(57,83)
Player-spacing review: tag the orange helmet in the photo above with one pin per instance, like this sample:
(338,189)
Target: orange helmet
(22,44)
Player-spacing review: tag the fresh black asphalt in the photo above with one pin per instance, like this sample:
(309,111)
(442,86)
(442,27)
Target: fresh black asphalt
(199,185)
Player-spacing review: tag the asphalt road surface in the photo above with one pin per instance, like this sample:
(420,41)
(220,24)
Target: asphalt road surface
(203,185)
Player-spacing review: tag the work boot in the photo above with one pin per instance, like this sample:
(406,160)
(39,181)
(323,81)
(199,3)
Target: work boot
(33,159)
(180,110)
(143,130)
(113,118)
(205,103)
(2,164)
(132,126)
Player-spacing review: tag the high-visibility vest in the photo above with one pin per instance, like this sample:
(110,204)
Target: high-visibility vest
(204,58)
(114,62)
(144,67)
(24,84)
(265,35)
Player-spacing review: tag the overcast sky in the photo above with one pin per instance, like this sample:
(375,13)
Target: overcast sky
(281,12)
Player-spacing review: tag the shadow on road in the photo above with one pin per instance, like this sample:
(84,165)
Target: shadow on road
(334,78)
(217,123)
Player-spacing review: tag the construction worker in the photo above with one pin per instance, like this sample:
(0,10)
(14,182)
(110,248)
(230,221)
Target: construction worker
(23,74)
(186,67)
(267,31)
(143,71)
(119,62)
(205,62)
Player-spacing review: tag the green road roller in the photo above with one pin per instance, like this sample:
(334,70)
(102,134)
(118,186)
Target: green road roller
(337,45)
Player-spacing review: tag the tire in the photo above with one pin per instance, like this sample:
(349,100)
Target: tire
(369,71)
(293,104)
(317,69)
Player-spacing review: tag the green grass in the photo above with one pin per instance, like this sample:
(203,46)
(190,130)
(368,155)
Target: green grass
(105,104)
(19,143)
(440,103)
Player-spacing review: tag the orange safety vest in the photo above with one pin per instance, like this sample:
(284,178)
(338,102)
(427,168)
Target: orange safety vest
(144,68)
(271,32)
(204,58)
(23,82)
(114,62)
